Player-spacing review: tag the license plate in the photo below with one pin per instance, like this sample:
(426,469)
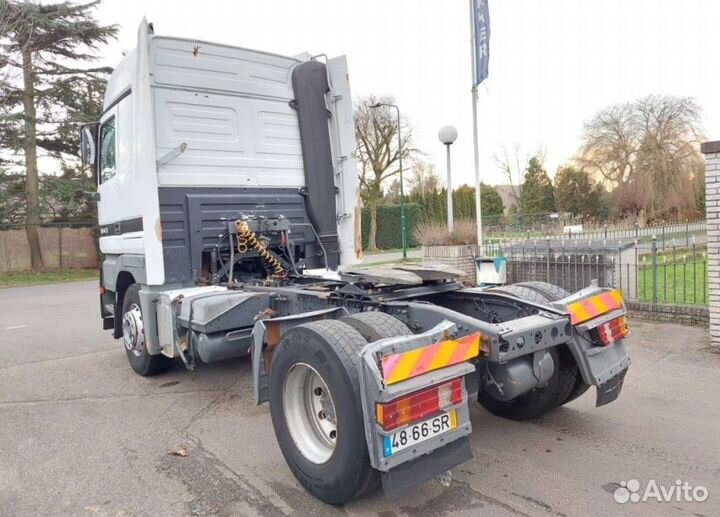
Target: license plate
(416,433)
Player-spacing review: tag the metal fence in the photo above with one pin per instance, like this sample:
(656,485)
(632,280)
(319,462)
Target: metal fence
(62,245)
(668,265)
(665,234)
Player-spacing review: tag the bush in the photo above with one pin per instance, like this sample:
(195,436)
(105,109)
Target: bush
(389,234)
(431,234)
(464,232)
(436,234)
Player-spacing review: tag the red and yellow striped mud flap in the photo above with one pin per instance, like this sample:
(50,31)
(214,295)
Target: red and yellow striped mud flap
(405,365)
(594,306)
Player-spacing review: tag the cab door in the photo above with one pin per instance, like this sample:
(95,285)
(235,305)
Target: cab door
(119,208)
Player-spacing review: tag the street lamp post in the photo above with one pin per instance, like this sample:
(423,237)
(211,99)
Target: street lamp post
(403,223)
(447,135)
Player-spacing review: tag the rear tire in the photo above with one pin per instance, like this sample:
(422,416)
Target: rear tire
(538,401)
(376,325)
(569,384)
(519,291)
(550,291)
(133,337)
(334,467)
(554,293)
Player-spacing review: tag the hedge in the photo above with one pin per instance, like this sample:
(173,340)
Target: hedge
(388,225)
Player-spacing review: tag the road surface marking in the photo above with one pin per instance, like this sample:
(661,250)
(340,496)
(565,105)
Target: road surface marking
(16,327)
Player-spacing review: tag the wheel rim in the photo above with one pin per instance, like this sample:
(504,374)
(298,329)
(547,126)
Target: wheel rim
(133,330)
(310,413)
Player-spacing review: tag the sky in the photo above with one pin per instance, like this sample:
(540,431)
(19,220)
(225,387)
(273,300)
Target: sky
(553,63)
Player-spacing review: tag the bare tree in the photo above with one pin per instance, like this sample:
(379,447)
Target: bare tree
(646,152)
(378,152)
(513,165)
(610,143)
(423,178)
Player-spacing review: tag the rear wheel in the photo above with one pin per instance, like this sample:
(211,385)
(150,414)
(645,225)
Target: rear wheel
(538,401)
(133,337)
(316,410)
(553,293)
(376,325)
(550,291)
(522,292)
(542,292)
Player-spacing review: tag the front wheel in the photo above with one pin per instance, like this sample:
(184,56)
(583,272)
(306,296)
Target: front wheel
(316,410)
(133,337)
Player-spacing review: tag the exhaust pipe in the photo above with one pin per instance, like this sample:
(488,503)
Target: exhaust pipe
(310,84)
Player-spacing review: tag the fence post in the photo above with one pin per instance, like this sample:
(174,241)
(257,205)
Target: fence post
(547,262)
(687,234)
(694,272)
(663,238)
(654,269)
(60,253)
(637,230)
(606,232)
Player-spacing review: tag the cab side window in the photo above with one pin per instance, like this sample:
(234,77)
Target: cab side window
(108,154)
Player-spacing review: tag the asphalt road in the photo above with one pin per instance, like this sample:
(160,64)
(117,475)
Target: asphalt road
(82,435)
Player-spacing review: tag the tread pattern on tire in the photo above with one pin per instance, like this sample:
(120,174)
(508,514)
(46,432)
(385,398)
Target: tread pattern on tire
(519,291)
(551,291)
(376,325)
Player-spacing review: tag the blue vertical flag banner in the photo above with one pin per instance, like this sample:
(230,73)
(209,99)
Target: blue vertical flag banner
(481,31)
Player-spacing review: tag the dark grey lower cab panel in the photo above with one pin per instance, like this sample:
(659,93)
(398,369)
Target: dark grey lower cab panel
(193,219)
(113,265)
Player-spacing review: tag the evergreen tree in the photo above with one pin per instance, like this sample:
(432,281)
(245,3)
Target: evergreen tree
(576,193)
(492,207)
(537,192)
(46,94)
(464,203)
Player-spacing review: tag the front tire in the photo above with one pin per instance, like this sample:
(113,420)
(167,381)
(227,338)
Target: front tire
(133,337)
(316,410)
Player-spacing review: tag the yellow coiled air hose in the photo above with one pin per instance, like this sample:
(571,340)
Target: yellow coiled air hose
(246,239)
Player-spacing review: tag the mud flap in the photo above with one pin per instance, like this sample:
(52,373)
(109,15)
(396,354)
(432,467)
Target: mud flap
(610,389)
(407,475)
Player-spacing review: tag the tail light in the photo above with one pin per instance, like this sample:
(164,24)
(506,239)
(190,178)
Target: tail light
(612,331)
(418,405)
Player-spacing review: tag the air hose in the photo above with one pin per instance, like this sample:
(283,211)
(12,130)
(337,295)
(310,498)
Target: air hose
(246,240)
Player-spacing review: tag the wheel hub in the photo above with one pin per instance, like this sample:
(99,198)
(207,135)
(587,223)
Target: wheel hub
(133,330)
(310,413)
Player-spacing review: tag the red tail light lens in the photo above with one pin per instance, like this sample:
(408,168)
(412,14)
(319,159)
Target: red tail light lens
(612,331)
(418,405)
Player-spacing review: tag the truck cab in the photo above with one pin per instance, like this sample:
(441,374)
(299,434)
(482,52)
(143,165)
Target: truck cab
(193,134)
(228,215)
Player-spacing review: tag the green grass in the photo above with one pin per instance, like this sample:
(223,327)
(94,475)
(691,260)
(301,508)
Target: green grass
(25,278)
(682,282)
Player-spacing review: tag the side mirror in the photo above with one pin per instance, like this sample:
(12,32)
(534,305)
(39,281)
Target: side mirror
(88,147)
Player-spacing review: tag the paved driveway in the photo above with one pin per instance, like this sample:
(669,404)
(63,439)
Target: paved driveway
(82,435)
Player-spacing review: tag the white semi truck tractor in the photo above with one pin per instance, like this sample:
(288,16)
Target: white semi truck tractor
(227,206)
